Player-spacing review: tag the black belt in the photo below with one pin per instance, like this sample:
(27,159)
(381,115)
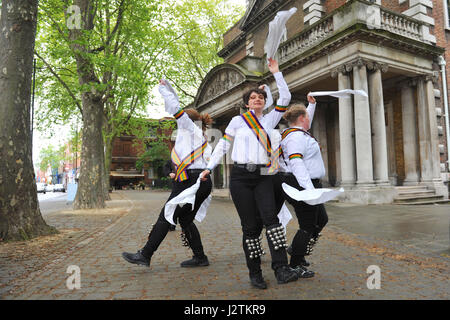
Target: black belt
(250,167)
(282,173)
(194,171)
(287,174)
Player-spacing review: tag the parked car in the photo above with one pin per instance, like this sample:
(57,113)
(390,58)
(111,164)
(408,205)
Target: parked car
(49,188)
(59,188)
(41,187)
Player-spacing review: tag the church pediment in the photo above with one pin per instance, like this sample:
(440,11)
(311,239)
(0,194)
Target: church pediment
(220,80)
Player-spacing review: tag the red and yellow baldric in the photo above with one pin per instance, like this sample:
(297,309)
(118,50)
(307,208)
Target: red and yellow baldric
(286,133)
(183,165)
(253,123)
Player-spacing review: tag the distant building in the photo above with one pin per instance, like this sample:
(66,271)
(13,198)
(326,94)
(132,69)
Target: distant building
(126,151)
(394,50)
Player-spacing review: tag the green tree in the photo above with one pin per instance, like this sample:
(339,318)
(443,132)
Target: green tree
(52,157)
(157,140)
(100,58)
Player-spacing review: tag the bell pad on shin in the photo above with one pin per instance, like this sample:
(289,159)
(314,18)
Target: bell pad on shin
(254,247)
(276,235)
(184,240)
(312,242)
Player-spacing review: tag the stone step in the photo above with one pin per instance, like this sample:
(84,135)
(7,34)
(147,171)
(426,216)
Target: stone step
(436,202)
(420,193)
(405,200)
(411,188)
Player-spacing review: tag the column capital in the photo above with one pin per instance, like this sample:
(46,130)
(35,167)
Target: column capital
(359,62)
(337,70)
(433,77)
(373,66)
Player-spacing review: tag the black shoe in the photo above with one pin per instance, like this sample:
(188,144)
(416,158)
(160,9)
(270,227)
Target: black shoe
(195,262)
(303,262)
(285,274)
(136,258)
(302,272)
(257,281)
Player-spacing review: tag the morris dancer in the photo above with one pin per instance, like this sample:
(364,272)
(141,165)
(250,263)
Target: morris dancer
(190,156)
(302,169)
(251,184)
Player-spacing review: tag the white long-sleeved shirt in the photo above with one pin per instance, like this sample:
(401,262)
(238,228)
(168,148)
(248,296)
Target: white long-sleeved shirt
(302,155)
(246,147)
(188,135)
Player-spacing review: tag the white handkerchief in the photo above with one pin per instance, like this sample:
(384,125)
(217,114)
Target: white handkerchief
(169,86)
(339,94)
(185,197)
(313,196)
(277,27)
(284,215)
(201,213)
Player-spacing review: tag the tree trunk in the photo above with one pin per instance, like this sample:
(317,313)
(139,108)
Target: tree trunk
(20,216)
(90,194)
(109,144)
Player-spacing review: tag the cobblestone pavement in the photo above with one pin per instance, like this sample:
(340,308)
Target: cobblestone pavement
(408,244)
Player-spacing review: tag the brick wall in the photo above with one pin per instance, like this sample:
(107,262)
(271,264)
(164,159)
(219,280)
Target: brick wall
(331,5)
(442,40)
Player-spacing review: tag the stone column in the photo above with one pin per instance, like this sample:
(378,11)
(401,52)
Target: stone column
(363,134)
(434,134)
(379,144)
(410,142)
(321,132)
(426,164)
(346,142)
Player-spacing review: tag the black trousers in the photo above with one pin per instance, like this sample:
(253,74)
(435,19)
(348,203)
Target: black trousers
(183,215)
(252,194)
(311,219)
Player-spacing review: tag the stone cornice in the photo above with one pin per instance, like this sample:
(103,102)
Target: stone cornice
(359,62)
(232,46)
(358,32)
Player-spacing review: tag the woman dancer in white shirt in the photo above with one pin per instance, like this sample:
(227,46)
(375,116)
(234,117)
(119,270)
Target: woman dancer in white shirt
(302,168)
(190,155)
(251,184)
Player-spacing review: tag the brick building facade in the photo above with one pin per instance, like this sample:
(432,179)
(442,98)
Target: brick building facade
(126,151)
(382,148)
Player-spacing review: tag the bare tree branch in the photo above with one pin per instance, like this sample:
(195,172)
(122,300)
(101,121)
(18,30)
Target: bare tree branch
(64,84)
(113,32)
(179,88)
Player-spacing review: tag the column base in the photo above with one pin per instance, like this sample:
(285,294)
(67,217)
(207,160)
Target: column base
(410,183)
(366,184)
(368,195)
(382,183)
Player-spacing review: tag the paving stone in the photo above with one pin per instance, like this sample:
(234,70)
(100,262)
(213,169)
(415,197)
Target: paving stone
(413,258)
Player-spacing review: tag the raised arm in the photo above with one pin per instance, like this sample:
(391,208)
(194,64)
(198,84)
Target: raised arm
(172,106)
(284,98)
(311,109)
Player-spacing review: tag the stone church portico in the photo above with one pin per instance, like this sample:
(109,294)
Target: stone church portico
(370,146)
